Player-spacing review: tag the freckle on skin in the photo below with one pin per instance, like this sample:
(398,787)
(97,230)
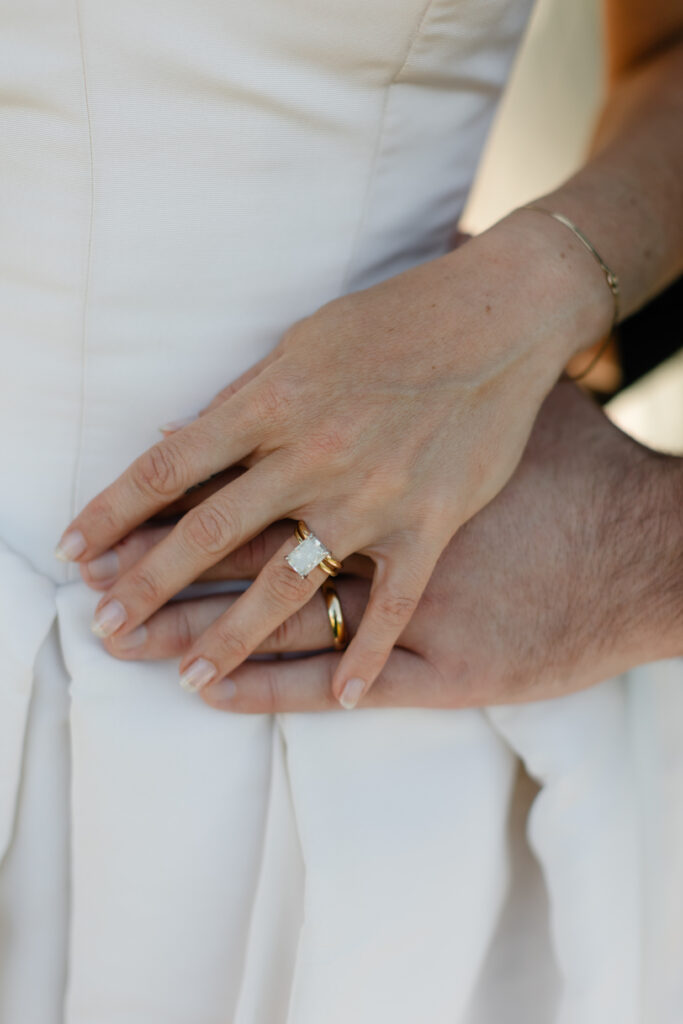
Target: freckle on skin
(561,255)
(488,309)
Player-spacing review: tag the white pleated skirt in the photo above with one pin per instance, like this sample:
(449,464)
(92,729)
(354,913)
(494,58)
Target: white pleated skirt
(166,862)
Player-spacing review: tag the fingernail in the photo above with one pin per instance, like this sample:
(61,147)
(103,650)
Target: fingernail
(223,690)
(71,545)
(136,638)
(108,619)
(352,693)
(173,425)
(104,566)
(199,673)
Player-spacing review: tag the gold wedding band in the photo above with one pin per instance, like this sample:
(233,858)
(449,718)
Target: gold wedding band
(335,615)
(311,553)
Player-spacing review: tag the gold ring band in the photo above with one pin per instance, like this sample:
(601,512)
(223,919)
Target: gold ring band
(311,553)
(331,570)
(335,615)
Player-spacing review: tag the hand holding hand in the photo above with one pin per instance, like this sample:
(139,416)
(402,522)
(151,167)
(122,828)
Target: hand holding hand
(385,421)
(563,580)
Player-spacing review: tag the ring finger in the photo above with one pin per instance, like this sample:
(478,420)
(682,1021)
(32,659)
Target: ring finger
(172,630)
(277,593)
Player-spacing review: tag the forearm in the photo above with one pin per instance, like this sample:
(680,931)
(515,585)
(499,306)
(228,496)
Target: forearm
(628,198)
(534,273)
(661,549)
(629,195)
(638,559)
(614,516)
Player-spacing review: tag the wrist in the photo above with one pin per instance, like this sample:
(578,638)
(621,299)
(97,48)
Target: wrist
(558,279)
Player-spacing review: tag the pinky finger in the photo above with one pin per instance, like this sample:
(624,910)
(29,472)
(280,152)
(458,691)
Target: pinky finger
(269,687)
(394,597)
(171,630)
(236,385)
(223,395)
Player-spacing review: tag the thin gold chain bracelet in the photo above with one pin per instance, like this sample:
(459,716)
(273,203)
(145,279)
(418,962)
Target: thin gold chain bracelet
(610,277)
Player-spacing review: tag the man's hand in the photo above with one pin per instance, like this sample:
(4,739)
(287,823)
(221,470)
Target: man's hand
(571,575)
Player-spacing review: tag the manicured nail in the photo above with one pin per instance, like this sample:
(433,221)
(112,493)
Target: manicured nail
(352,693)
(108,619)
(71,545)
(173,425)
(104,566)
(225,689)
(136,638)
(199,673)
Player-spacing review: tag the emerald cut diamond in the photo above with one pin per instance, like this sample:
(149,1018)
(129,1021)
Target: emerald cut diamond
(307,555)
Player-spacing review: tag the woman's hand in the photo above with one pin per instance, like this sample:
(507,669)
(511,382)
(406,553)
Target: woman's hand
(385,420)
(569,576)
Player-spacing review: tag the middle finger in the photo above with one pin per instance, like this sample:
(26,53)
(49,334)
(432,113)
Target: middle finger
(204,536)
(244,563)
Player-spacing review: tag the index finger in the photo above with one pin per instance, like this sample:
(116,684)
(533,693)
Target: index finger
(159,476)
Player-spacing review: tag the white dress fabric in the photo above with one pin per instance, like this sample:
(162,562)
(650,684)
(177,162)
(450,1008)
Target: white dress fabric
(179,182)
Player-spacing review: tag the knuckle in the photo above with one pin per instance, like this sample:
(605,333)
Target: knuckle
(103,515)
(250,556)
(286,587)
(287,635)
(160,471)
(230,643)
(328,448)
(393,608)
(209,528)
(182,632)
(146,586)
(272,400)
(330,445)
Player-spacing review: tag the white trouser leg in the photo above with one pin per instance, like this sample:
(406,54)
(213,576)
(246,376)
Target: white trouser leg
(34,873)
(402,819)
(169,801)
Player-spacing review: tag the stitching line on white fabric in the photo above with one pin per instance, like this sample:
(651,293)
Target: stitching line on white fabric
(72,570)
(379,139)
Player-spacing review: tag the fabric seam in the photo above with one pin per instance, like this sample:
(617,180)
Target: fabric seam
(73,569)
(379,140)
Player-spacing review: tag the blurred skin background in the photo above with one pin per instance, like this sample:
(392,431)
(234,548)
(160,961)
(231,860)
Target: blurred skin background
(541,135)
